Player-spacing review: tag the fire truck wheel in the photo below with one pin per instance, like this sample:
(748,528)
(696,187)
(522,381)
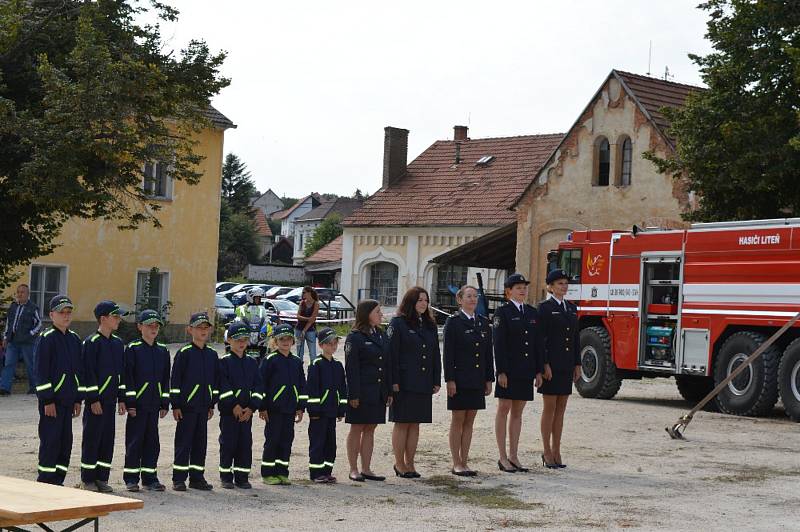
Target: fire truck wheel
(598,373)
(754,391)
(693,388)
(789,380)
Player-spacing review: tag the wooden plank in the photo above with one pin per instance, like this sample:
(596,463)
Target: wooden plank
(25,502)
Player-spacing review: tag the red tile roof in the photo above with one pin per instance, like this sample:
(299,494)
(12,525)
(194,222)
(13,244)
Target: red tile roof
(262,227)
(328,253)
(435,191)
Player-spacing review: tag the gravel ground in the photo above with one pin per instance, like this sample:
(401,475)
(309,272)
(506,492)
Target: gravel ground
(624,473)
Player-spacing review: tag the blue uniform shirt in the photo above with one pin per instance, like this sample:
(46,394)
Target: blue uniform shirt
(326,387)
(58,364)
(147,376)
(103,369)
(284,383)
(194,384)
(240,383)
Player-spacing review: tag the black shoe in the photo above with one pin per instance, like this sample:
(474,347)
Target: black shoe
(460,473)
(201,485)
(132,486)
(519,467)
(414,474)
(549,466)
(103,487)
(407,474)
(179,486)
(376,478)
(505,469)
(227,484)
(357,478)
(156,486)
(561,466)
(245,485)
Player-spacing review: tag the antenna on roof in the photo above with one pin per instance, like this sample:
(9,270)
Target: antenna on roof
(667,75)
(649,57)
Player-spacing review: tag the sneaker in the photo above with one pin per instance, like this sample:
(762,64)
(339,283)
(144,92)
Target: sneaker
(245,485)
(87,486)
(103,487)
(331,479)
(272,481)
(179,486)
(132,486)
(321,480)
(155,486)
(227,484)
(284,480)
(201,485)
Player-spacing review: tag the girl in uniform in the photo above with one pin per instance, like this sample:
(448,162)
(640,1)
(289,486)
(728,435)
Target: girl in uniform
(368,375)
(416,375)
(562,363)
(468,370)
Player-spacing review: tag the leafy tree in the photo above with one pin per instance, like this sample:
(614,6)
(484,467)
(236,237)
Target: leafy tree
(238,242)
(358,194)
(87,95)
(739,141)
(288,202)
(328,230)
(275,227)
(238,187)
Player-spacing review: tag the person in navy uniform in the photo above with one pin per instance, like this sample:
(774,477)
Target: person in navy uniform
(561,360)
(327,401)
(193,392)
(58,366)
(469,373)
(104,388)
(517,358)
(416,375)
(147,400)
(368,371)
(284,383)
(240,395)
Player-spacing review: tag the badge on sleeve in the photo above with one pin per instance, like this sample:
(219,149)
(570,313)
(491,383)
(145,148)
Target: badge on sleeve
(389,331)
(347,348)
(496,320)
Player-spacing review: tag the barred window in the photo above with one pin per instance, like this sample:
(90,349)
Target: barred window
(383,283)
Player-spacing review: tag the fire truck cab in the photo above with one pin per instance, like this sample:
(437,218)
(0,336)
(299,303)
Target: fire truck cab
(689,303)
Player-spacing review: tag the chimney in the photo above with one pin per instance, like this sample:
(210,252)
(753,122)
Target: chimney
(395,154)
(460,133)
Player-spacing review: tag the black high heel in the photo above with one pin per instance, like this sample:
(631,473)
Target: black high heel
(549,466)
(401,475)
(519,467)
(505,469)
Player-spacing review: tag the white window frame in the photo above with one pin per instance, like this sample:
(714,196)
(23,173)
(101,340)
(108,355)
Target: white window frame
(168,181)
(63,279)
(165,287)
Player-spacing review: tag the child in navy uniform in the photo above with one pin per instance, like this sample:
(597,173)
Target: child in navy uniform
(327,401)
(193,391)
(240,395)
(104,388)
(147,400)
(284,395)
(58,364)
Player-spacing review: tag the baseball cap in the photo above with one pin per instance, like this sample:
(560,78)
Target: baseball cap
(325,335)
(149,316)
(60,302)
(238,329)
(199,318)
(282,330)
(107,308)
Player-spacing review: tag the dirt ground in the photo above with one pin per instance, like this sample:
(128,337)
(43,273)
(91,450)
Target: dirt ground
(624,473)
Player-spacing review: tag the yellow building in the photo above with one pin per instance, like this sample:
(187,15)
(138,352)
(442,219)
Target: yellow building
(94,260)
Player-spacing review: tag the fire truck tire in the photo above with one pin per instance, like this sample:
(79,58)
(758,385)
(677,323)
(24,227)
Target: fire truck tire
(599,373)
(753,392)
(693,388)
(789,380)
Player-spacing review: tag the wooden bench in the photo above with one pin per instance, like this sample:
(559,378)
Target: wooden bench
(23,502)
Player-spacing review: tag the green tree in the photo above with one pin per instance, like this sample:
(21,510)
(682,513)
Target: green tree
(87,96)
(328,230)
(238,187)
(238,242)
(288,202)
(739,141)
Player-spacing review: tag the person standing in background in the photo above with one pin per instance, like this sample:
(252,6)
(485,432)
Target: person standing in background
(23,324)
(305,330)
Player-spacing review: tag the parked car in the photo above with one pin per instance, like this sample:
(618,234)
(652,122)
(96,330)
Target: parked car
(221,287)
(276,291)
(285,310)
(225,310)
(323,293)
(230,292)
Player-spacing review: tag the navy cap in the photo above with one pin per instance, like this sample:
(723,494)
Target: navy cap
(515,278)
(199,318)
(149,316)
(326,334)
(107,308)
(238,329)
(60,302)
(555,275)
(282,330)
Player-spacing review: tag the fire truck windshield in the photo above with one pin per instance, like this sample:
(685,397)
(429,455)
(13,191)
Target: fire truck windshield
(569,260)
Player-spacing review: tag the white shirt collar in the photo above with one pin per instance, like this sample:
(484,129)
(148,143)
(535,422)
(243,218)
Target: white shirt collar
(559,301)
(467,315)
(520,306)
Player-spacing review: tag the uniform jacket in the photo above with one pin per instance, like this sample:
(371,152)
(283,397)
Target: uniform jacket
(560,335)
(367,367)
(194,384)
(284,383)
(415,355)
(58,364)
(103,369)
(326,388)
(23,323)
(240,383)
(468,351)
(517,341)
(147,376)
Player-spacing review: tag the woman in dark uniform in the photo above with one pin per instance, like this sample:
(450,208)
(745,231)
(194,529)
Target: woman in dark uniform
(368,374)
(469,373)
(517,361)
(561,360)
(416,375)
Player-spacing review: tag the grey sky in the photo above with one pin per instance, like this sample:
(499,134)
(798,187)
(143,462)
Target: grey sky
(314,83)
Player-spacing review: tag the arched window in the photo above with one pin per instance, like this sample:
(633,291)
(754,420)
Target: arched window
(447,277)
(625,159)
(383,283)
(602,165)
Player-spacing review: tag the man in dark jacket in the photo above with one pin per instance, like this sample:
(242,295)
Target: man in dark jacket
(22,328)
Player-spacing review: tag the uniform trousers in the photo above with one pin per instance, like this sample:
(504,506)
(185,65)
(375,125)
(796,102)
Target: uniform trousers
(235,448)
(321,446)
(142,447)
(191,436)
(97,443)
(278,439)
(55,444)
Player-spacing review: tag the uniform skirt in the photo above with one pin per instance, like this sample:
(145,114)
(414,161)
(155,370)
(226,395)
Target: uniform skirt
(467,399)
(411,407)
(370,414)
(560,384)
(517,390)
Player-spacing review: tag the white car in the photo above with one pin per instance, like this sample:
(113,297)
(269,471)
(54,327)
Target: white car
(285,310)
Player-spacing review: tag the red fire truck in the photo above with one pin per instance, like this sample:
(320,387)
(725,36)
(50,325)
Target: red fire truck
(690,303)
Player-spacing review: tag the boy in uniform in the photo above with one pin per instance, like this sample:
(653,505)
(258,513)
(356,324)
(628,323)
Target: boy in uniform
(240,395)
(104,387)
(327,401)
(147,400)
(194,392)
(58,364)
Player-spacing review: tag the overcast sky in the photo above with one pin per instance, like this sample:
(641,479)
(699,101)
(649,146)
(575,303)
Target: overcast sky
(314,83)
